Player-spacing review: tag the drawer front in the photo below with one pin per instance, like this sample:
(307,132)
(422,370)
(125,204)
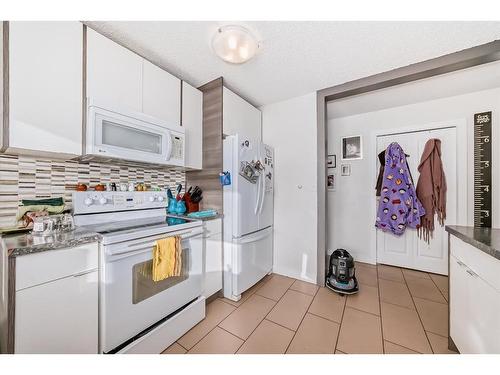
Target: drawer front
(213,264)
(213,226)
(51,265)
(484,265)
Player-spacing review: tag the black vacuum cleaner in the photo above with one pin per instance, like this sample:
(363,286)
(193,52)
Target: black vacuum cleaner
(341,276)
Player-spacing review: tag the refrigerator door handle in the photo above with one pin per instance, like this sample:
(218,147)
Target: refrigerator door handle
(254,236)
(263,192)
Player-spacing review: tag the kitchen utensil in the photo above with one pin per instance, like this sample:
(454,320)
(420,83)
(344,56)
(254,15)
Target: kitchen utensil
(123,187)
(99,187)
(113,186)
(131,186)
(108,186)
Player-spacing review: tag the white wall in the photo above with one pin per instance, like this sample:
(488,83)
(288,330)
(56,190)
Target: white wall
(350,220)
(290,127)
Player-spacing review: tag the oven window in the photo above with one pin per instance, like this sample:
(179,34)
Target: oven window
(123,136)
(144,286)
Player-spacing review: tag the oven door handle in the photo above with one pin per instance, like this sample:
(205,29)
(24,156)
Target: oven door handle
(148,245)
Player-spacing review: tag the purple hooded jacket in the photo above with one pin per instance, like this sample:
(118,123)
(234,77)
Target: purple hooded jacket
(398,207)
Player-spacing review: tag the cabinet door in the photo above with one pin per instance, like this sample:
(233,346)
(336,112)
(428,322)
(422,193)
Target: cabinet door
(45,86)
(59,316)
(240,117)
(474,306)
(213,257)
(192,121)
(161,95)
(114,74)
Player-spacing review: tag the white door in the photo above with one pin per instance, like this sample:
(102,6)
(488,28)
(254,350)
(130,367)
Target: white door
(409,250)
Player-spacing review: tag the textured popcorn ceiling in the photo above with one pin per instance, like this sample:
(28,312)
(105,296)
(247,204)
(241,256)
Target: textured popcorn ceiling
(296,57)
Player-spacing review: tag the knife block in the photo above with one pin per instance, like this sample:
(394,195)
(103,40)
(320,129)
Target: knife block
(191,206)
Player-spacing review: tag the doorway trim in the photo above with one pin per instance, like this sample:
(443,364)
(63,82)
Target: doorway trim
(462,158)
(464,59)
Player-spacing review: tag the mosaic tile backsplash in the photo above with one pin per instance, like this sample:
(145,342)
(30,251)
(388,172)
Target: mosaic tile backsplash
(27,177)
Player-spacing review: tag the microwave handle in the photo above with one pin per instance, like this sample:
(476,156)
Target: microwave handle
(169,145)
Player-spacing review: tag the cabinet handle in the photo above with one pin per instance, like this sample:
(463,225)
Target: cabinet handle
(84,272)
(472,273)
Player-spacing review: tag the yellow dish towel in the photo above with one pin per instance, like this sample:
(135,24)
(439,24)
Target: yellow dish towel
(167,258)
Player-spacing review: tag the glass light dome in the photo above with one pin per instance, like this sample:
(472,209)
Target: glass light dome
(234,44)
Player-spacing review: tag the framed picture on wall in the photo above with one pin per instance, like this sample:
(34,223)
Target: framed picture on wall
(352,147)
(331,180)
(331,161)
(345,169)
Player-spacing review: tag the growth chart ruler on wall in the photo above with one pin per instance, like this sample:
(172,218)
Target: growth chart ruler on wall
(482,170)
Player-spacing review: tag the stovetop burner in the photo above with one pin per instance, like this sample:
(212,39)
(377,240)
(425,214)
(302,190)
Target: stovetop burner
(132,225)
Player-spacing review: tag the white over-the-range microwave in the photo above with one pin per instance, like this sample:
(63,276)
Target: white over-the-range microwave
(132,136)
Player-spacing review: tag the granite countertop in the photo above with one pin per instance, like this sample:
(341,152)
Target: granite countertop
(26,243)
(485,239)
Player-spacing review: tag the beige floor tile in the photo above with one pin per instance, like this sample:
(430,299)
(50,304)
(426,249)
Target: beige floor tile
(366,275)
(424,288)
(396,293)
(175,348)
(328,304)
(217,341)
(245,295)
(248,316)
(402,326)
(275,287)
(304,287)
(391,348)
(409,274)
(362,264)
(366,299)
(439,344)
(268,338)
(360,333)
(315,336)
(434,316)
(216,312)
(390,273)
(442,283)
(290,309)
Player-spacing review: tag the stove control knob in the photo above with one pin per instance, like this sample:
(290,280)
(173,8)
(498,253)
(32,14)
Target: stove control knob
(160,199)
(151,198)
(103,201)
(88,201)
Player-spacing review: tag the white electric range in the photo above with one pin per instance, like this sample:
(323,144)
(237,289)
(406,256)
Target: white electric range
(136,314)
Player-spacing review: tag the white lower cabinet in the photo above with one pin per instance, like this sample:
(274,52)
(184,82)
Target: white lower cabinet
(58,311)
(474,299)
(213,257)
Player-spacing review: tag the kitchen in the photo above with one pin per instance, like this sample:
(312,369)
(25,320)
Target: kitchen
(115,158)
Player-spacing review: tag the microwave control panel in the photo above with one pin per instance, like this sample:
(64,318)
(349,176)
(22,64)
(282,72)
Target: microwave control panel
(177,147)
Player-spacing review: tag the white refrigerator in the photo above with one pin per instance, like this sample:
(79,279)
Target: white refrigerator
(248,214)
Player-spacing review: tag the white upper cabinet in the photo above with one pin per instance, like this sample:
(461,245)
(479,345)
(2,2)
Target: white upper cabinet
(119,78)
(192,121)
(240,117)
(45,86)
(114,73)
(161,94)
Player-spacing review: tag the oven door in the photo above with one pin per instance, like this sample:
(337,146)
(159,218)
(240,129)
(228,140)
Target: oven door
(130,301)
(111,134)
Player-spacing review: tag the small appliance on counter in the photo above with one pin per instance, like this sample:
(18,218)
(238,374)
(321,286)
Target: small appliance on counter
(53,224)
(341,276)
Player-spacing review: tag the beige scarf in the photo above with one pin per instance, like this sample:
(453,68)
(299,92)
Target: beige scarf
(431,188)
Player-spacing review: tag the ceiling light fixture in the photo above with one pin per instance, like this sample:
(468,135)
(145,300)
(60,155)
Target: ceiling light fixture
(234,44)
